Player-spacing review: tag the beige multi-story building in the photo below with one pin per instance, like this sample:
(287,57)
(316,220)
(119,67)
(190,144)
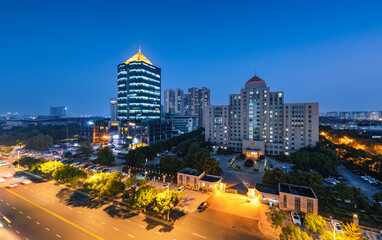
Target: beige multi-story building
(301,126)
(217,129)
(197,100)
(257,122)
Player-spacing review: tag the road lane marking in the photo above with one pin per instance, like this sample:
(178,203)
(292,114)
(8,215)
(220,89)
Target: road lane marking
(55,214)
(103,223)
(7,204)
(6,219)
(90,217)
(79,212)
(21,212)
(17,232)
(14,208)
(70,208)
(28,217)
(58,236)
(1,199)
(47,229)
(199,235)
(130,235)
(38,223)
(116,229)
(142,226)
(127,220)
(159,233)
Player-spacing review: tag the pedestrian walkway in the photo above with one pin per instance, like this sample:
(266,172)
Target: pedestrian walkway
(265,226)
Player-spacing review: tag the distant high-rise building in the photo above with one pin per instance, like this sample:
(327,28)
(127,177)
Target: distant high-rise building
(174,101)
(113,109)
(139,89)
(197,99)
(169,100)
(258,122)
(58,111)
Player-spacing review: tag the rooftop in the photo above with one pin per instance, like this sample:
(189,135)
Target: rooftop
(138,58)
(190,171)
(255,82)
(264,188)
(297,190)
(210,178)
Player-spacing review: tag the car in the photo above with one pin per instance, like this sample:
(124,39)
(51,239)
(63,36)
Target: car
(283,167)
(2,179)
(7,175)
(166,185)
(12,185)
(295,218)
(105,170)
(26,182)
(181,188)
(203,206)
(337,226)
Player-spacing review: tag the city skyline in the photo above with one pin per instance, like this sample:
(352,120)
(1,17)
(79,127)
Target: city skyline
(328,53)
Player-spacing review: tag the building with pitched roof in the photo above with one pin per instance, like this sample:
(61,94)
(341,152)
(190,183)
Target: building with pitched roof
(139,89)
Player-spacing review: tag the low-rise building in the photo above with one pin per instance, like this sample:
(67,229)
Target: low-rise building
(288,197)
(193,179)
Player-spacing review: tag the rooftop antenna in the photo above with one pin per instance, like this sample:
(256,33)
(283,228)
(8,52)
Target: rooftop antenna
(255,72)
(139,48)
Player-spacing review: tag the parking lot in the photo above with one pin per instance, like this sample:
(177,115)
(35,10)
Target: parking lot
(354,180)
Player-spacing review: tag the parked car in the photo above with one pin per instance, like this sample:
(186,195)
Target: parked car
(166,185)
(2,179)
(181,188)
(203,206)
(295,218)
(7,175)
(12,185)
(337,226)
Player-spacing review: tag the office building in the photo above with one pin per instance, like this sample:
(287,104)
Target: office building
(260,123)
(113,109)
(139,89)
(58,111)
(197,100)
(182,124)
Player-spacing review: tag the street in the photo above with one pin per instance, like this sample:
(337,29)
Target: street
(45,210)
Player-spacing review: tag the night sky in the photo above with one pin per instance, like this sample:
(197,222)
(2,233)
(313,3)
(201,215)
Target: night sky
(56,53)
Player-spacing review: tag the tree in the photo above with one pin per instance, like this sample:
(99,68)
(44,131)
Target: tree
(144,197)
(105,156)
(314,223)
(85,150)
(69,174)
(248,163)
(162,203)
(129,182)
(169,164)
(112,188)
(274,176)
(27,161)
(40,142)
(352,232)
(292,232)
(276,217)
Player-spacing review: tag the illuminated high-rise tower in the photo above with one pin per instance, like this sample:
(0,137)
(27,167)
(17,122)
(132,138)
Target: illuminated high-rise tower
(139,89)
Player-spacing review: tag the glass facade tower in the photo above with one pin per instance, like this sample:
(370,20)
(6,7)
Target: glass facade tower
(139,89)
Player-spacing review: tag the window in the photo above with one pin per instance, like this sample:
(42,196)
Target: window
(297,204)
(310,205)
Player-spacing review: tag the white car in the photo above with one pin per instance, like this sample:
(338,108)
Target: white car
(295,218)
(337,226)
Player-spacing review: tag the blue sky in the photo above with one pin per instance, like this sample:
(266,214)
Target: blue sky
(66,52)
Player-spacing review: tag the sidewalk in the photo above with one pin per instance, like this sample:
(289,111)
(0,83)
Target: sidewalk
(265,226)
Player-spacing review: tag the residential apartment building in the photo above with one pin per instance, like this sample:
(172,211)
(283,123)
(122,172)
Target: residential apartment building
(174,101)
(217,128)
(139,89)
(197,100)
(258,123)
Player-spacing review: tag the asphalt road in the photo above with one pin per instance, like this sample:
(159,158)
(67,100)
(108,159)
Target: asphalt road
(44,210)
